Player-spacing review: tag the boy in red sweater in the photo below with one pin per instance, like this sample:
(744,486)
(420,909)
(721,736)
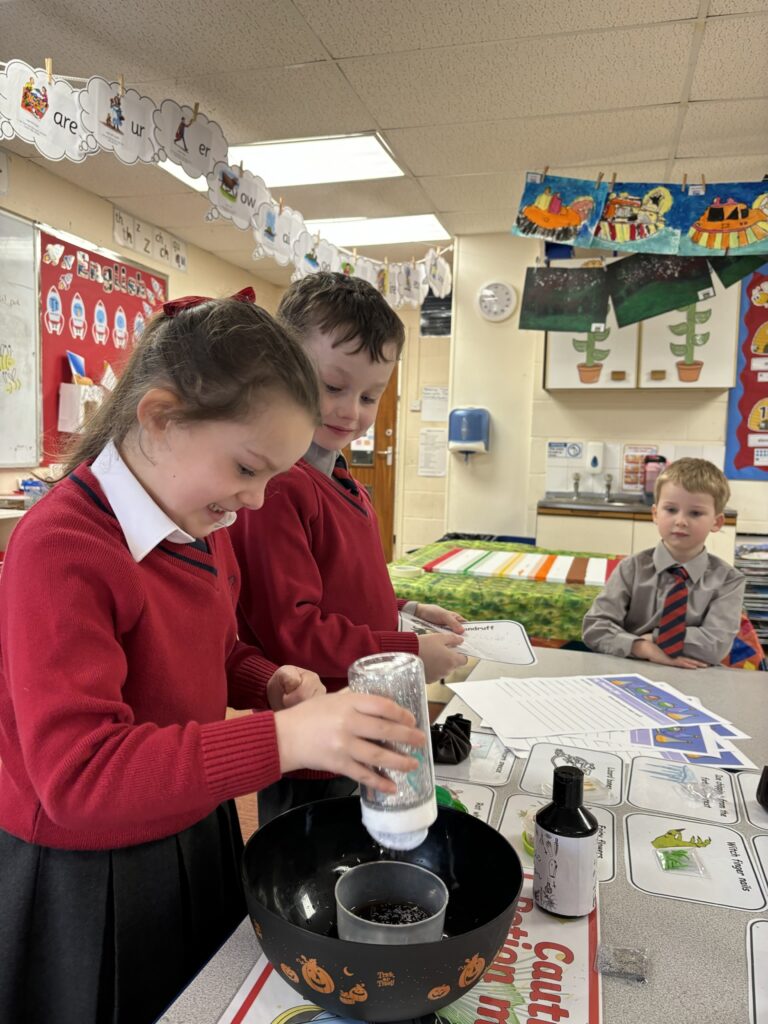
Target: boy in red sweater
(315,588)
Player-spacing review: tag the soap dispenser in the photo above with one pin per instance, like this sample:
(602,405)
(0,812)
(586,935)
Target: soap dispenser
(595,456)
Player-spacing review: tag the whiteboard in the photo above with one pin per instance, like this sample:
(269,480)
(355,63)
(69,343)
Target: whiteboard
(19,374)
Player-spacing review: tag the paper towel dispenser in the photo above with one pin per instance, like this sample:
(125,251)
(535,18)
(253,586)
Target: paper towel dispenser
(469,431)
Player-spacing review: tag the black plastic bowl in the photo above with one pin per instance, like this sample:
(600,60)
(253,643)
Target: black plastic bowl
(291,866)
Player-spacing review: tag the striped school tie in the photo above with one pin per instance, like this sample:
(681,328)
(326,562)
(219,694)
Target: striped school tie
(671,635)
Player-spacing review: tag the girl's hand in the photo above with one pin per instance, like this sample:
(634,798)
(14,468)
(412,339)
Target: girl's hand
(440,616)
(291,685)
(343,732)
(437,651)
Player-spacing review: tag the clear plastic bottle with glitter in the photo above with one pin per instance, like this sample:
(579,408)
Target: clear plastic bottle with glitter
(399,821)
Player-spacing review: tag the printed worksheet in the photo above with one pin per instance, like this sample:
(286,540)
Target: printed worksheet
(494,640)
(603,772)
(489,764)
(696,791)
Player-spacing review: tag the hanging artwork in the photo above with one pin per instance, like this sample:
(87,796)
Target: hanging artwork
(724,218)
(634,219)
(45,113)
(66,123)
(644,285)
(189,139)
(746,447)
(731,269)
(564,299)
(559,209)
(119,120)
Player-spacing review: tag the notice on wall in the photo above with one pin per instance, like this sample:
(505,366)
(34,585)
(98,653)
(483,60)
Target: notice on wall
(433,451)
(434,404)
(633,465)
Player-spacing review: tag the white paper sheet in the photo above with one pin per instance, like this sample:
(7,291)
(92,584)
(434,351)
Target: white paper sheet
(495,640)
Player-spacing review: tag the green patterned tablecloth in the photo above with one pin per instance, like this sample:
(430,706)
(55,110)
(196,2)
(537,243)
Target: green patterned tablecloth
(549,611)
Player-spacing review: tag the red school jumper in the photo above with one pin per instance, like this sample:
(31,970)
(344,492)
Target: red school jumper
(115,677)
(315,587)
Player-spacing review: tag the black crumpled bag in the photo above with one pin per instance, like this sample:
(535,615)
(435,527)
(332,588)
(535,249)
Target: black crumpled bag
(452,741)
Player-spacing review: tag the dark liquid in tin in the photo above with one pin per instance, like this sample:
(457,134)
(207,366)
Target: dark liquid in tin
(391,912)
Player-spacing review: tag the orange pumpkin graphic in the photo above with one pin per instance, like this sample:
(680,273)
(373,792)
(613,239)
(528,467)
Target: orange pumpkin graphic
(357,994)
(314,975)
(438,992)
(289,972)
(471,971)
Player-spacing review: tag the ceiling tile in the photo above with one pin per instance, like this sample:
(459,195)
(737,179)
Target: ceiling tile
(717,129)
(723,168)
(138,39)
(641,170)
(385,197)
(732,60)
(523,77)
(350,28)
(736,6)
(479,222)
(609,137)
(273,103)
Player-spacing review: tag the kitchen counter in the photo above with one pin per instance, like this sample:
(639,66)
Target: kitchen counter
(619,507)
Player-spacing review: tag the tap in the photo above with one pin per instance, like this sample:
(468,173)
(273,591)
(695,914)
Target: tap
(608,482)
(576,479)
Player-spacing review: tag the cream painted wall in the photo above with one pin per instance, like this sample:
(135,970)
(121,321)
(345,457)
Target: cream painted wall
(501,368)
(38,195)
(492,365)
(420,500)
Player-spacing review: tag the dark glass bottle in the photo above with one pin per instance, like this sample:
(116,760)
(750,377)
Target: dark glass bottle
(565,849)
(762,789)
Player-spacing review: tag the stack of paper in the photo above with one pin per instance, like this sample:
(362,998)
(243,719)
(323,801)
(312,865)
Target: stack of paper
(524,566)
(623,714)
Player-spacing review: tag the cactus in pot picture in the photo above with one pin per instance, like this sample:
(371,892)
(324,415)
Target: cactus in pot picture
(688,368)
(589,370)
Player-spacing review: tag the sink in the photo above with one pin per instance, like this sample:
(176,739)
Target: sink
(616,501)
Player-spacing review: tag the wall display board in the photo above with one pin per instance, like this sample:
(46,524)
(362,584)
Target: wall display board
(746,449)
(91,303)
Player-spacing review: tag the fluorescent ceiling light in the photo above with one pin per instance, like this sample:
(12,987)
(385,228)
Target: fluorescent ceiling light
(379,230)
(198,184)
(317,161)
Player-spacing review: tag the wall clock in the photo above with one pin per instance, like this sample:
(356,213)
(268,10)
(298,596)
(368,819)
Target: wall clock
(496,300)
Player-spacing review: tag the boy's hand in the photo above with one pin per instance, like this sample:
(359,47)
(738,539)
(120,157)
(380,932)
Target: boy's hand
(437,652)
(440,616)
(650,651)
(291,685)
(343,733)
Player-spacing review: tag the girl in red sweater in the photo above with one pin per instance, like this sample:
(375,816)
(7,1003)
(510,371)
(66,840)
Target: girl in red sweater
(119,846)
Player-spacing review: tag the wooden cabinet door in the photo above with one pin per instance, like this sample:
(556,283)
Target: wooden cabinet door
(708,332)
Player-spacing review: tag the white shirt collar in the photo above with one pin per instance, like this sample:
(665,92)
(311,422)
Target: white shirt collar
(143,522)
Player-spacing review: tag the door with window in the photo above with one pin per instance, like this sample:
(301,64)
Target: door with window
(371,461)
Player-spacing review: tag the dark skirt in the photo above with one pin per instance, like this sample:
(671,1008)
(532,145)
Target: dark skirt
(111,937)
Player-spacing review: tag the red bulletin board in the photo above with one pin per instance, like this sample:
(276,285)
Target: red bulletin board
(93,305)
(746,449)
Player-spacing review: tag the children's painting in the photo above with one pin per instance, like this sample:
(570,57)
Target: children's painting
(730,269)
(645,285)
(635,219)
(564,299)
(746,448)
(721,218)
(559,209)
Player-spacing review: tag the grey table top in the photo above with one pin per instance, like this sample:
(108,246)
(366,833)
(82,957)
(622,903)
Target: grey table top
(698,966)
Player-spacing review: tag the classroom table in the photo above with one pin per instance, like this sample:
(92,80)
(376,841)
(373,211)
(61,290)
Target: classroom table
(698,963)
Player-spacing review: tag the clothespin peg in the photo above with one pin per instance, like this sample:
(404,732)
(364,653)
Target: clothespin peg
(317,239)
(599,179)
(195,111)
(280,205)
(544,174)
(49,69)
(703,181)
(354,254)
(240,168)
(613,181)
(685,182)
(121,84)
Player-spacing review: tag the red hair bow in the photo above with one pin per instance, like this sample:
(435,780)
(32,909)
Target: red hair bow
(188,301)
